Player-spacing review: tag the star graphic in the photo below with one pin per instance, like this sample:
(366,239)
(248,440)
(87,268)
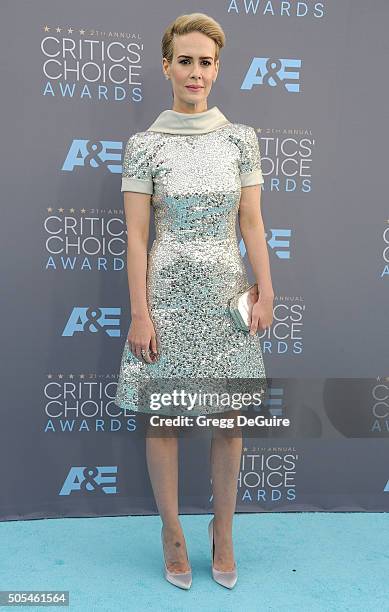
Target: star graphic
(46,28)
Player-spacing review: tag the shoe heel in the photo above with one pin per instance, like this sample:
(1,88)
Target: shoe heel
(226,579)
(183,580)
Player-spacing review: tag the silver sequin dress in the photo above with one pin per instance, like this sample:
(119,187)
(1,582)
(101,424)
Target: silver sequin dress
(193,166)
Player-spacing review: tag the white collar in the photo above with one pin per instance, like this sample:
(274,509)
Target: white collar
(173,122)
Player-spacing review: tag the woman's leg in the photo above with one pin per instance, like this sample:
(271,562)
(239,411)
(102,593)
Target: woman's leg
(162,463)
(226,451)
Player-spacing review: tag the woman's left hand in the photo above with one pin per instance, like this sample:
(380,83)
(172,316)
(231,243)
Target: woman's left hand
(261,314)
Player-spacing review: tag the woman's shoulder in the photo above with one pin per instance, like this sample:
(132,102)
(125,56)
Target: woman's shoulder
(243,131)
(140,143)
(140,137)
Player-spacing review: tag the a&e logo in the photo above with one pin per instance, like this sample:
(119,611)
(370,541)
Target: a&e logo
(279,242)
(93,320)
(94,479)
(282,72)
(94,155)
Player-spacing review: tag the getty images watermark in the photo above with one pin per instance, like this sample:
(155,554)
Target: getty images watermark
(204,403)
(199,399)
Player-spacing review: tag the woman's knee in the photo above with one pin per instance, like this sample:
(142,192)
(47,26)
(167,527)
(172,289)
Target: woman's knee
(227,427)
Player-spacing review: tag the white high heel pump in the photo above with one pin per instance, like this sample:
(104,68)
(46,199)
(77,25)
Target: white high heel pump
(226,579)
(183,580)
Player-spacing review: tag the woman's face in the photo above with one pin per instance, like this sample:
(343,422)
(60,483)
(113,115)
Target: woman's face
(192,64)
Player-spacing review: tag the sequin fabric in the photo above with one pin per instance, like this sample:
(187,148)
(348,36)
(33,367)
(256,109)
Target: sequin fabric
(194,264)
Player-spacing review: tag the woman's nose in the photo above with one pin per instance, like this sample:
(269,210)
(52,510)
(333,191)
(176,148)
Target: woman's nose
(196,71)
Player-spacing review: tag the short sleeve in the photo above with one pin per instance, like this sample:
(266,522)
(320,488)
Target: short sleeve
(136,169)
(250,159)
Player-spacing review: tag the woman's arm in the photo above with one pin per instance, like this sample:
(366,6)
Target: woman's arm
(137,211)
(253,233)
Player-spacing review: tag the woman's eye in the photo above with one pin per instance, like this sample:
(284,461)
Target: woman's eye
(208,63)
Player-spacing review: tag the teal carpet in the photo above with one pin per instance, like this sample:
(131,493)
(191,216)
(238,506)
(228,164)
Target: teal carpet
(288,562)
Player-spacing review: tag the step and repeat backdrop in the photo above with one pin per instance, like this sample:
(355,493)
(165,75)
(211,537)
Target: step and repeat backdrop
(77,80)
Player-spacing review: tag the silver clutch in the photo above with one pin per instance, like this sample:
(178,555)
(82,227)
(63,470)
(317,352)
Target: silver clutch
(240,306)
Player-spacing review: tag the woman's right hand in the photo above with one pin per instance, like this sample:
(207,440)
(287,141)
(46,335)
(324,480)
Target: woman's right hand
(142,335)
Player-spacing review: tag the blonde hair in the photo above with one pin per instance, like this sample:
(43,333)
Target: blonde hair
(194,22)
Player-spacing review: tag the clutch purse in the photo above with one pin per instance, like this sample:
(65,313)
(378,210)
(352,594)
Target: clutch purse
(240,306)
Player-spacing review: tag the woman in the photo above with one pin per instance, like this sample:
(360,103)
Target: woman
(197,170)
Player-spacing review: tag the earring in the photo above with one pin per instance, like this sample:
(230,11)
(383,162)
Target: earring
(166,76)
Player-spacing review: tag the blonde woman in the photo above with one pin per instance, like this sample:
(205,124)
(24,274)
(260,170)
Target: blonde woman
(198,171)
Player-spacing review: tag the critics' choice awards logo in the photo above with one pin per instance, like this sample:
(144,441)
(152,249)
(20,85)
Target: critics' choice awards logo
(85,240)
(380,406)
(75,403)
(267,475)
(367,401)
(282,73)
(287,159)
(385,251)
(92,64)
(285,337)
(91,479)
